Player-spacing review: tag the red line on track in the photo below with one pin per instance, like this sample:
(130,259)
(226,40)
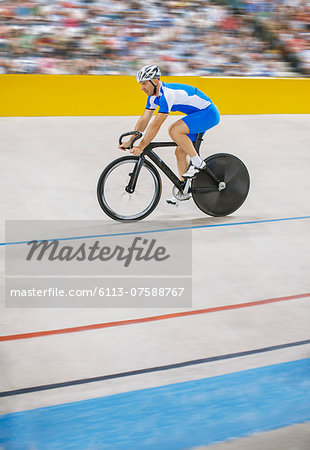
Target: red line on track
(98,326)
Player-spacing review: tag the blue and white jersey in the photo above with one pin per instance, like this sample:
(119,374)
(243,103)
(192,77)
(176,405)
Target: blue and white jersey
(178,97)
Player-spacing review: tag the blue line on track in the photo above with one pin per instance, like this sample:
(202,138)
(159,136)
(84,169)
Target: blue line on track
(177,416)
(164,230)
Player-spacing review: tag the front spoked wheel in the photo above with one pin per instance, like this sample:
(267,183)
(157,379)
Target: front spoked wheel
(116,201)
(223,189)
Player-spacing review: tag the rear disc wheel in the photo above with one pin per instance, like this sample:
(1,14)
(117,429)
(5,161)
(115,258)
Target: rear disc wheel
(228,169)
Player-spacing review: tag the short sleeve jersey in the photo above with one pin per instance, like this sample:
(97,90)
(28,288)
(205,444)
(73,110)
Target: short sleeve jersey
(178,97)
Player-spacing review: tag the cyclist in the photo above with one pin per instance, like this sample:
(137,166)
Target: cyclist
(201,115)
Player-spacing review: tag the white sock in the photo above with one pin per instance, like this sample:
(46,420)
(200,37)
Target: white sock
(196,161)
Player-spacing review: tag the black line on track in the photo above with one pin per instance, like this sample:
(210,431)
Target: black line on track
(194,362)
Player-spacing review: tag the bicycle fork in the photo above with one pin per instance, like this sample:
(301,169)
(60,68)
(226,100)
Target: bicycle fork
(131,186)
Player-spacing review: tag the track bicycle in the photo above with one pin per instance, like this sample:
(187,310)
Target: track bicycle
(130,187)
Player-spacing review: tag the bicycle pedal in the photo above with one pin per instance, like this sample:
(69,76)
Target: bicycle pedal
(172,201)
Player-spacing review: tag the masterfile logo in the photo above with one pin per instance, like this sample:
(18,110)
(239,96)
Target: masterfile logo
(94,264)
(139,250)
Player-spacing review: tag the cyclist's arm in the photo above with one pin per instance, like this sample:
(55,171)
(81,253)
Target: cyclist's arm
(140,126)
(144,120)
(153,129)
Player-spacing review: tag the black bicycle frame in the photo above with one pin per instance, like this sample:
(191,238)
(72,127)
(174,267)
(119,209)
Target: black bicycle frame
(162,165)
(148,151)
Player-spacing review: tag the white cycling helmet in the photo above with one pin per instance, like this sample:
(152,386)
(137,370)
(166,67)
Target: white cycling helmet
(148,73)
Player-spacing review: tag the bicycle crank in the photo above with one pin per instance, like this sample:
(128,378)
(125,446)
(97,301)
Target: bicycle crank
(179,195)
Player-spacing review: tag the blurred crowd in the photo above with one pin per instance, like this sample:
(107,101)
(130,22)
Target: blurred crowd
(288,23)
(116,37)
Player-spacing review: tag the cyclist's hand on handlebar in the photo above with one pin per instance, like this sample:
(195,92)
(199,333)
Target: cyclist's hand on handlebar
(136,150)
(125,145)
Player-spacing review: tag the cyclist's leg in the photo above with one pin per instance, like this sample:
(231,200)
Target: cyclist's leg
(201,121)
(185,130)
(178,132)
(182,161)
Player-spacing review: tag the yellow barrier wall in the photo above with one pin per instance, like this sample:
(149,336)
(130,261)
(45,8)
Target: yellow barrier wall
(89,95)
